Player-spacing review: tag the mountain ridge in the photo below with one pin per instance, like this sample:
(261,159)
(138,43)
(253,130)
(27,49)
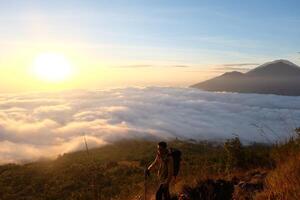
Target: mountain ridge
(280,67)
(279,77)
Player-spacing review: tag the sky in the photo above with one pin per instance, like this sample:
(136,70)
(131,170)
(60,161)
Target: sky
(121,43)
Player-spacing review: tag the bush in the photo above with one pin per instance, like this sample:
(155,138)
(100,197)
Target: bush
(234,152)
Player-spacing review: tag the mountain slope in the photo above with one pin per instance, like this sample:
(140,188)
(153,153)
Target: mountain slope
(279,77)
(116,171)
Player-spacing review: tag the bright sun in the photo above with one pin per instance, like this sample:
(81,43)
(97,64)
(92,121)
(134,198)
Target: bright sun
(52,67)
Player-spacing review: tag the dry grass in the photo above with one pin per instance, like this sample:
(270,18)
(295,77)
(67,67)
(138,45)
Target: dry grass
(283,183)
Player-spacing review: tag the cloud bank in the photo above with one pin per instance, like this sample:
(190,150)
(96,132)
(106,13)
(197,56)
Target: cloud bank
(48,124)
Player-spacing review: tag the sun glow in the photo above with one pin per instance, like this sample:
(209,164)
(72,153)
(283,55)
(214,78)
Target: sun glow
(52,67)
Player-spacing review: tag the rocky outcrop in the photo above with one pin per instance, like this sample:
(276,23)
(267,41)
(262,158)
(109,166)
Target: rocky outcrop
(238,188)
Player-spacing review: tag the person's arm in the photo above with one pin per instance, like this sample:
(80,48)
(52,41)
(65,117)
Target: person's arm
(153,164)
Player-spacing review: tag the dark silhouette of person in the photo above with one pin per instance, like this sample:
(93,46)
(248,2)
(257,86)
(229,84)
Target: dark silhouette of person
(164,161)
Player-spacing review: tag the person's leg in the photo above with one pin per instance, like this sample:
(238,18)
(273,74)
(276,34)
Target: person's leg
(159,193)
(166,193)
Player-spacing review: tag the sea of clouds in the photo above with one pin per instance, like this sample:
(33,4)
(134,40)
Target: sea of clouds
(39,125)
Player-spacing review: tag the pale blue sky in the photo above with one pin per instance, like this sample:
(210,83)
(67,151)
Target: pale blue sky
(228,30)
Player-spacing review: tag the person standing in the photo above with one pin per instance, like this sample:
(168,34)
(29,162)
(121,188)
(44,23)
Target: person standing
(165,163)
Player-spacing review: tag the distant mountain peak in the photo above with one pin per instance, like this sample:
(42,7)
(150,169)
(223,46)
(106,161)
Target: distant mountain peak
(282,61)
(280,77)
(233,73)
(276,68)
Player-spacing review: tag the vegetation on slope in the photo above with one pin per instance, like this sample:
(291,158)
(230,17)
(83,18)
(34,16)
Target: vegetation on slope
(115,171)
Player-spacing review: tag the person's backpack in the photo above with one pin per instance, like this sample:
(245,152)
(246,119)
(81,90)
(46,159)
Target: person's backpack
(176,154)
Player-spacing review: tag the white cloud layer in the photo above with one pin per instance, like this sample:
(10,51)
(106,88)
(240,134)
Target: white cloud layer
(47,124)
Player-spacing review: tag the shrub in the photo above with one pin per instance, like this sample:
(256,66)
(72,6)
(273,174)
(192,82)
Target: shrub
(234,152)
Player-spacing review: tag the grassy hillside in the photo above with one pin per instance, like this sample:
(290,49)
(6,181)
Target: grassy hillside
(116,171)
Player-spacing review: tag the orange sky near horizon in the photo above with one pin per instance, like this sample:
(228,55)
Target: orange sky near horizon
(88,71)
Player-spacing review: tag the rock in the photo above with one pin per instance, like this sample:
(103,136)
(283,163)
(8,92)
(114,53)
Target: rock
(247,188)
(209,190)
